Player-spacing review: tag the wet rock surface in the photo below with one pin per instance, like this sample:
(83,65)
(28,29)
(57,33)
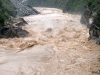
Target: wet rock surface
(13,28)
(7,32)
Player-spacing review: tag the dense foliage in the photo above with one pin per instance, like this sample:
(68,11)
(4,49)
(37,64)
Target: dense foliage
(75,5)
(6,9)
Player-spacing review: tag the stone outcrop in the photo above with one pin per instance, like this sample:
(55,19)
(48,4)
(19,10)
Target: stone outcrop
(13,28)
(22,9)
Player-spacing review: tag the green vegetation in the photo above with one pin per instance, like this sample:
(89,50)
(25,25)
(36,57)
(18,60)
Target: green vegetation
(6,10)
(47,3)
(75,5)
(66,5)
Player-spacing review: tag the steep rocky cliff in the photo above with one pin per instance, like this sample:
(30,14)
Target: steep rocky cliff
(22,9)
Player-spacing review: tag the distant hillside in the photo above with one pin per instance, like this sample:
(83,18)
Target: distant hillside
(66,5)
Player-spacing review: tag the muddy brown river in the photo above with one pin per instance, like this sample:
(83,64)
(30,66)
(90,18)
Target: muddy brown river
(57,45)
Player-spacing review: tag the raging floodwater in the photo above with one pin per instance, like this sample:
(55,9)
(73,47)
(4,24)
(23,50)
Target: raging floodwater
(57,45)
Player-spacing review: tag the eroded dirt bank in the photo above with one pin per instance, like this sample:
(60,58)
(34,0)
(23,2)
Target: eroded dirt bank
(57,45)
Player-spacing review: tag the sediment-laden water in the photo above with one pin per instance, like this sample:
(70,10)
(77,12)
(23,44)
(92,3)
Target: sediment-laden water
(57,45)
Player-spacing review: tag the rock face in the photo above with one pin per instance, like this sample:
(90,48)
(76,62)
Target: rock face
(22,9)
